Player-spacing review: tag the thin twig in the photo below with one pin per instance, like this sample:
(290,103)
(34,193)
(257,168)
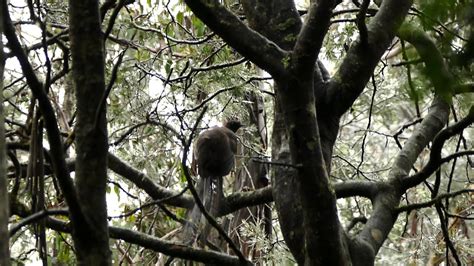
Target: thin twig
(361,22)
(36,217)
(408,208)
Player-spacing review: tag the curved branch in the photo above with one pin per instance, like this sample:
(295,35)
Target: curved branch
(35,217)
(234,201)
(142,181)
(456,155)
(388,194)
(255,47)
(168,248)
(356,188)
(432,123)
(435,66)
(361,59)
(311,37)
(435,154)
(264,195)
(240,200)
(411,207)
(114,15)
(173,249)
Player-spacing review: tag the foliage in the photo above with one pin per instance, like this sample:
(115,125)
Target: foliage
(169,65)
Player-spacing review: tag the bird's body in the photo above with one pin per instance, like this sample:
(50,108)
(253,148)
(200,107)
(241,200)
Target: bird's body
(214,152)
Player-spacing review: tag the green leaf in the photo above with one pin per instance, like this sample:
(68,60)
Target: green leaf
(168,65)
(117,191)
(180,17)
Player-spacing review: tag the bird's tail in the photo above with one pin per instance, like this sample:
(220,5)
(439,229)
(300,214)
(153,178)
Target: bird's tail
(204,191)
(213,208)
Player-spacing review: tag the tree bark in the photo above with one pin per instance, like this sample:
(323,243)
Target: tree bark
(4,207)
(304,197)
(87,48)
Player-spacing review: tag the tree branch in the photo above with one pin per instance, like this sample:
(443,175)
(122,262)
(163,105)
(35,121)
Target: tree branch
(141,239)
(249,43)
(239,200)
(435,154)
(433,122)
(173,249)
(361,59)
(411,207)
(310,39)
(464,88)
(388,194)
(35,217)
(348,189)
(55,143)
(361,22)
(435,67)
(142,181)
(234,201)
(456,155)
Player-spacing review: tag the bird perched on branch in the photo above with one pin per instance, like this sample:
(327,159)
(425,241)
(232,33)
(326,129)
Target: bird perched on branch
(214,152)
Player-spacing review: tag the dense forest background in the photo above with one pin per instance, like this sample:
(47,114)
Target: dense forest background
(357,146)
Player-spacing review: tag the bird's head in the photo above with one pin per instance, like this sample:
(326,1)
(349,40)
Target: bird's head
(233,124)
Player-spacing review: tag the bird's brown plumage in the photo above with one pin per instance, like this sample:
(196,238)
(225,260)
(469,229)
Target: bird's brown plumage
(214,151)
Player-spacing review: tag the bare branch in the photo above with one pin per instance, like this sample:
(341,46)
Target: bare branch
(411,207)
(435,154)
(144,182)
(141,239)
(355,221)
(361,60)
(361,22)
(33,218)
(311,37)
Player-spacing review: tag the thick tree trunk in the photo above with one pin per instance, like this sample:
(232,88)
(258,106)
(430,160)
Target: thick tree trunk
(283,183)
(4,207)
(268,20)
(91,239)
(303,188)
